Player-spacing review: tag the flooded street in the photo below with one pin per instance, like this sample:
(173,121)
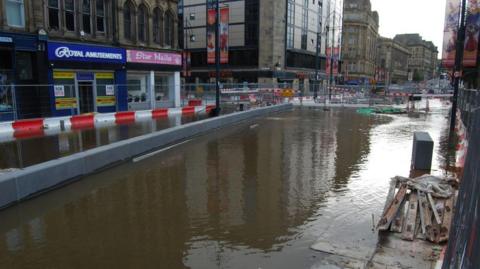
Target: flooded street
(251,196)
(22,153)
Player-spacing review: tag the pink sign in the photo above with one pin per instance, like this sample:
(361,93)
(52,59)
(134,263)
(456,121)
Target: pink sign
(150,57)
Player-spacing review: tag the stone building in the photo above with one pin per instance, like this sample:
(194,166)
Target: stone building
(94,55)
(360,34)
(270,41)
(392,61)
(423,56)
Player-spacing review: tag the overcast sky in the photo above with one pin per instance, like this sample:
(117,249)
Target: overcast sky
(425,17)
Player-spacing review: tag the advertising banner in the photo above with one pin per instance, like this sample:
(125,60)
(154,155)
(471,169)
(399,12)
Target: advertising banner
(187,62)
(472,32)
(85,53)
(452,15)
(106,100)
(211,36)
(335,56)
(65,103)
(150,57)
(224,21)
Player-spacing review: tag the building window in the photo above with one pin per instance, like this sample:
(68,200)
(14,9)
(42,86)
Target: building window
(142,23)
(158,26)
(69,15)
(127,20)
(100,12)
(304,25)
(53,20)
(15,13)
(251,22)
(86,8)
(169,31)
(290,22)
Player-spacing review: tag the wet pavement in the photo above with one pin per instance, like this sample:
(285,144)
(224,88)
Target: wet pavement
(252,196)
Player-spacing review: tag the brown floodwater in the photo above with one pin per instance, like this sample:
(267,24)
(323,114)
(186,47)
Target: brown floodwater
(250,196)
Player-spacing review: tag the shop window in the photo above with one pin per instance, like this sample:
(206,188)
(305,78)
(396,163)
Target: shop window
(127,20)
(69,15)
(169,31)
(142,23)
(161,88)
(15,13)
(24,65)
(86,8)
(53,19)
(100,9)
(137,89)
(158,26)
(6,65)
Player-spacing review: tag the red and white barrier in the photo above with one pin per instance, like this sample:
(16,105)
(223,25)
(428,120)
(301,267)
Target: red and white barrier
(39,127)
(462,146)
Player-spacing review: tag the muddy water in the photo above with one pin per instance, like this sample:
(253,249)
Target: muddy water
(26,152)
(253,196)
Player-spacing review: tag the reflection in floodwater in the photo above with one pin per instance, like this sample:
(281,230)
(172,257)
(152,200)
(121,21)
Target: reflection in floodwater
(26,152)
(247,197)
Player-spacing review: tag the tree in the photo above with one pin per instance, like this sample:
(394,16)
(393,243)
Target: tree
(418,76)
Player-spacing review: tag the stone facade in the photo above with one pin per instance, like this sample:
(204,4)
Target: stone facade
(392,59)
(100,22)
(360,34)
(423,56)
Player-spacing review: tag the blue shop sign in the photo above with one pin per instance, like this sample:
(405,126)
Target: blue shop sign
(85,76)
(85,53)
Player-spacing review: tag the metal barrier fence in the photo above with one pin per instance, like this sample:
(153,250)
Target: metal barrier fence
(468,101)
(464,240)
(464,243)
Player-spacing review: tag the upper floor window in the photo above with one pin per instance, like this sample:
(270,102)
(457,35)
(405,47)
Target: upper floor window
(100,12)
(86,8)
(142,23)
(169,29)
(53,12)
(69,15)
(15,13)
(127,20)
(158,26)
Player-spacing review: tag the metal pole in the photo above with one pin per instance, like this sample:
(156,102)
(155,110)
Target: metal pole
(217,59)
(458,65)
(317,64)
(332,54)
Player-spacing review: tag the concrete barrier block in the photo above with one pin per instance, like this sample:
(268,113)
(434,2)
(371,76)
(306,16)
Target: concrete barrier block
(43,176)
(8,191)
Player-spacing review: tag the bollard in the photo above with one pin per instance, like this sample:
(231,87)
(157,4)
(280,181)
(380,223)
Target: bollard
(422,151)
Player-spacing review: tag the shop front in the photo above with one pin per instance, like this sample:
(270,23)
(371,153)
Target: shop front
(86,79)
(22,66)
(153,79)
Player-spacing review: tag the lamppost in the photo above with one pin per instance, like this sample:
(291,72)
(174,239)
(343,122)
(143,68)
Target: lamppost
(217,59)
(458,64)
(317,60)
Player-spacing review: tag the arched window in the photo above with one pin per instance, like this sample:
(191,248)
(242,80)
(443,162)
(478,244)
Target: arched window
(127,20)
(142,23)
(169,29)
(158,26)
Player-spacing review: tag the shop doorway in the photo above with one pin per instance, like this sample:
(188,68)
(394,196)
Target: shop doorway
(86,97)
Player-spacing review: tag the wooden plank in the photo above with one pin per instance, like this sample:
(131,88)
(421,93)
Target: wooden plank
(392,209)
(391,194)
(431,231)
(434,208)
(447,220)
(422,214)
(409,229)
(397,223)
